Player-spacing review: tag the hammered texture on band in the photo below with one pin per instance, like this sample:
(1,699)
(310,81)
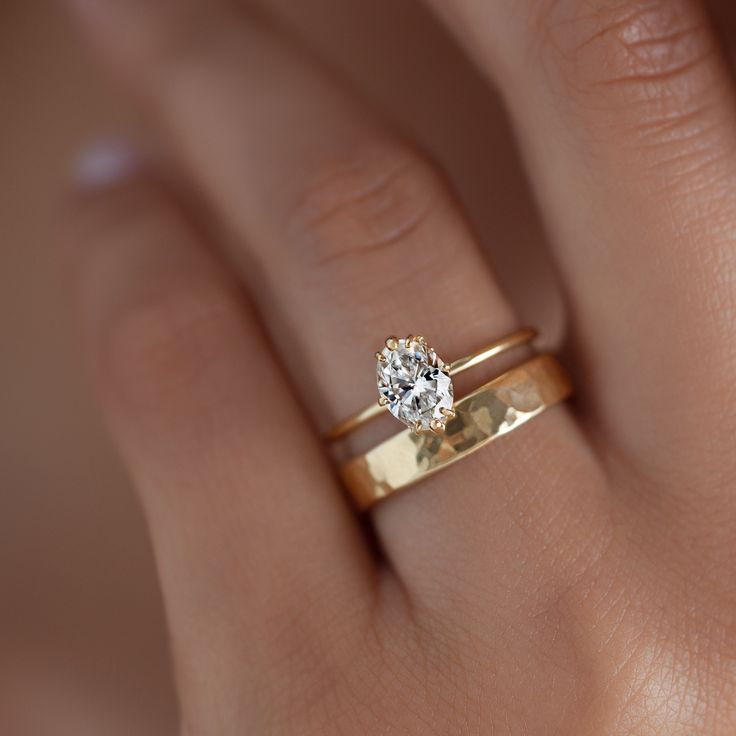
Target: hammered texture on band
(491,411)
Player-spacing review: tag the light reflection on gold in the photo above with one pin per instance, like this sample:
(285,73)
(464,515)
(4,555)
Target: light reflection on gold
(491,411)
(520,337)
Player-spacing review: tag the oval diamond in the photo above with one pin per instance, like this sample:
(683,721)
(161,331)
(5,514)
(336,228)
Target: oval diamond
(414,383)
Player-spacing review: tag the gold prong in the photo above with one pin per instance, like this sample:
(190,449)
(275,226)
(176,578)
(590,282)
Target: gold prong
(417,427)
(437,426)
(392,342)
(380,357)
(410,339)
(449,413)
(420,339)
(382,401)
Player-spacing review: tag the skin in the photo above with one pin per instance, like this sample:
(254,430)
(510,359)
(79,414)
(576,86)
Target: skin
(576,577)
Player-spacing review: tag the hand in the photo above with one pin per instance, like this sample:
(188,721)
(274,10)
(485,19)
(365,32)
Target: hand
(576,577)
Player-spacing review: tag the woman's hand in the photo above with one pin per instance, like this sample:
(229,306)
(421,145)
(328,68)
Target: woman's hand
(576,577)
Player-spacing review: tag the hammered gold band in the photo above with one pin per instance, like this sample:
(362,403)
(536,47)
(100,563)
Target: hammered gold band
(520,337)
(495,409)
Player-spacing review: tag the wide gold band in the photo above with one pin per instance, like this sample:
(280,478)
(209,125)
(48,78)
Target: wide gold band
(520,337)
(496,408)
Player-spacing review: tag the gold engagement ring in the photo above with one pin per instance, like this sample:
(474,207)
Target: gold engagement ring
(406,368)
(415,386)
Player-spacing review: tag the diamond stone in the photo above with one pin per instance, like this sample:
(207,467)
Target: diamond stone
(414,383)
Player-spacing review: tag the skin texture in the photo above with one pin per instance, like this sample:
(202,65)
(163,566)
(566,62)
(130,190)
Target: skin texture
(574,578)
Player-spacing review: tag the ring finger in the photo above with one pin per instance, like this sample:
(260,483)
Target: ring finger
(352,236)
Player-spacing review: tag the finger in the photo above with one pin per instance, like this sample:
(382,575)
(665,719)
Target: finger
(255,544)
(355,237)
(626,114)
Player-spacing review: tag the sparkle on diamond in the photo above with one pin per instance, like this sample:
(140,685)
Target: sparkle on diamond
(415,382)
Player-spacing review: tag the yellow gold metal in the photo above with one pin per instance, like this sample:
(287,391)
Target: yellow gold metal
(381,357)
(491,411)
(513,340)
(382,401)
(410,339)
(437,426)
(449,413)
(392,343)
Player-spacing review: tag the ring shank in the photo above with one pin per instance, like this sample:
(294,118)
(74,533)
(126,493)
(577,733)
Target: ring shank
(491,411)
(520,337)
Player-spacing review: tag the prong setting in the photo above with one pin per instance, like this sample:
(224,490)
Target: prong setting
(414,384)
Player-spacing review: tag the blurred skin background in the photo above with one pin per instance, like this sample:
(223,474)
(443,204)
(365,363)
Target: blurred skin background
(82,635)
(82,641)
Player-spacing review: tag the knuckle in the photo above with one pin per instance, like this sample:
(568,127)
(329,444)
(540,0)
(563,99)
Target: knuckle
(169,323)
(650,54)
(643,72)
(364,203)
(167,344)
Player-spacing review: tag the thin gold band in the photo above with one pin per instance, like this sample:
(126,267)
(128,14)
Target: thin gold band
(495,409)
(520,337)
